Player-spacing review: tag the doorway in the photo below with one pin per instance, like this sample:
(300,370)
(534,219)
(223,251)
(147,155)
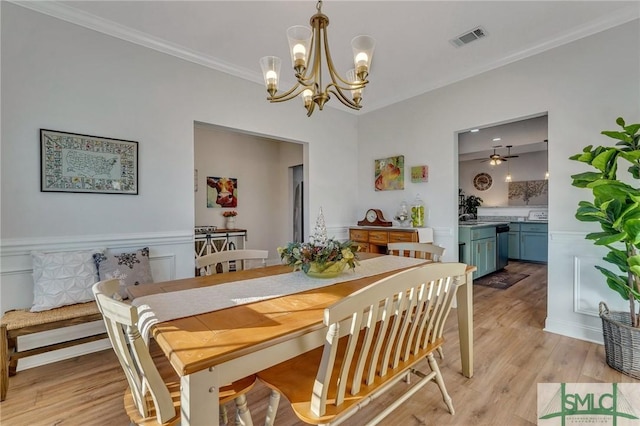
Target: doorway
(297,188)
(507,156)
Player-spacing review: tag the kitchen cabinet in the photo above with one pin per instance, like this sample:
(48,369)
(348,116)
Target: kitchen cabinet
(534,242)
(479,248)
(514,240)
(484,256)
(374,240)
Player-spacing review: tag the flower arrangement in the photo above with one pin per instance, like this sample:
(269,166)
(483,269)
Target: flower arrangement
(302,255)
(320,254)
(230,213)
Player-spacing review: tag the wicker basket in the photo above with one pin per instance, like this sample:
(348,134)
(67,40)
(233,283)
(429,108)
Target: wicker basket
(621,342)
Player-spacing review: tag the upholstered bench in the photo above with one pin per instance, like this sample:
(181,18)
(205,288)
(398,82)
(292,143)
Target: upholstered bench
(22,322)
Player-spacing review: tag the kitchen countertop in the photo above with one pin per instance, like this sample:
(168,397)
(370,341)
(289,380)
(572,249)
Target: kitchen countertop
(480,224)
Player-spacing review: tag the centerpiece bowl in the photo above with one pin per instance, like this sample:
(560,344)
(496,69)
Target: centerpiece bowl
(328,270)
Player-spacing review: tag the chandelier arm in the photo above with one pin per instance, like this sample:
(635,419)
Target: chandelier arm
(317,49)
(289,94)
(342,98)
(310,108)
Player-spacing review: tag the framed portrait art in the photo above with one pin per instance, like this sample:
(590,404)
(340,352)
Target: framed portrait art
(73,162)
(222,192)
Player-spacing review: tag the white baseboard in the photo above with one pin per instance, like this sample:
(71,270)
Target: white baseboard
(577,331)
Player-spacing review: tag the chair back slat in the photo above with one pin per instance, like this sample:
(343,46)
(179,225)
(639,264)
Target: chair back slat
(382,324)
(427,251)
(242,259)
(121,321)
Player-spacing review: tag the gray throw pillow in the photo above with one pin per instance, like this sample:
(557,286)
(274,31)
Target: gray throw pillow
(130,268)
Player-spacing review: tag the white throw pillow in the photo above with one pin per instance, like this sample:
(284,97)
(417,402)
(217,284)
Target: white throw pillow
(63,278)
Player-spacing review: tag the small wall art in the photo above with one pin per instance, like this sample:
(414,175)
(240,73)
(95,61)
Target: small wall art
(222,192)
(71,162)
(529,192)
(420,174)
(389,173)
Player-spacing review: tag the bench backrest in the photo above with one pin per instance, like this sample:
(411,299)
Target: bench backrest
(384,325)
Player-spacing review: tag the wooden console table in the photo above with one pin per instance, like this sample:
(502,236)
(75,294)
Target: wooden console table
(375,239)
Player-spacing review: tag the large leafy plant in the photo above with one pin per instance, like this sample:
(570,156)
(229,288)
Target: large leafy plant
(616,206)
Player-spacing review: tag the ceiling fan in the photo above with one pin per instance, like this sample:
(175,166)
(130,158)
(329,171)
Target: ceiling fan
(496,159)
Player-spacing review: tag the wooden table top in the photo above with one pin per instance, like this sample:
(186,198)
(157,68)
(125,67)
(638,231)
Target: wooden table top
(200,341)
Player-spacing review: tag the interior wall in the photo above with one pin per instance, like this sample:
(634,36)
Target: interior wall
(61,76)
(261,167)
(583,95)
(528,166)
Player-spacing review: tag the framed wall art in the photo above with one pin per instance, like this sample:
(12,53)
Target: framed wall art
(389,173)
(420,174)
(222,192)
(73,162)
(529,192)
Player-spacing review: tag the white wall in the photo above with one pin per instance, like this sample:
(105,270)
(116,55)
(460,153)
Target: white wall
(528,166)
(57,75)
(262,169)
(584,86)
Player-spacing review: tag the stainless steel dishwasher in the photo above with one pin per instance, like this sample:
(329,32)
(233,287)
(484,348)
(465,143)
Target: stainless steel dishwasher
(502,246)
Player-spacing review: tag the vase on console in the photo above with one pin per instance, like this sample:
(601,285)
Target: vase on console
(231,222)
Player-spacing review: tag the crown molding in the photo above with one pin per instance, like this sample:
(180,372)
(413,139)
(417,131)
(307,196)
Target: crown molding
(105,26)
(90,21)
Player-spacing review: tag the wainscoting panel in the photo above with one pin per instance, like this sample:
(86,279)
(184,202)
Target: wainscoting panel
(171,256)
(577,287)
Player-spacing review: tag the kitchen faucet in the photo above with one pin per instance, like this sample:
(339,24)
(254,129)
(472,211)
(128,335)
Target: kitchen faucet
(465,216)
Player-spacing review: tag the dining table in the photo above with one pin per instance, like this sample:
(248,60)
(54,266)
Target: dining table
(223,343)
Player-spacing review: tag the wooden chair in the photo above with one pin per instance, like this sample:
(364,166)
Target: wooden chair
(228,259)
(426,251)
(153,396)
(375,337)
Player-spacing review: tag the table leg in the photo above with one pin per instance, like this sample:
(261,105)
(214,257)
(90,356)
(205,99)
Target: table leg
(464,299)
(198,391)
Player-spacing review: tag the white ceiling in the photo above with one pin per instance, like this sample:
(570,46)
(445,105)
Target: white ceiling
(413,54)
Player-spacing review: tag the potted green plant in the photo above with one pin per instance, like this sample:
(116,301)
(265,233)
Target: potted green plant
(616,207)
(471,204)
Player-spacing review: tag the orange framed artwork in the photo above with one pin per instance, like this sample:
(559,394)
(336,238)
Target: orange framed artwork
(389,173)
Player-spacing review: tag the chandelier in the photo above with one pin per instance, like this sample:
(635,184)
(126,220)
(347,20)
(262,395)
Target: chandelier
(308,47)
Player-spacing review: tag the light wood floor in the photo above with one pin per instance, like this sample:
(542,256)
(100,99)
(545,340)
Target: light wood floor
(512,355)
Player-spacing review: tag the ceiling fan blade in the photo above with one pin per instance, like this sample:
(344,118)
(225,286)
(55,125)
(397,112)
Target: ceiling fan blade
(512,156)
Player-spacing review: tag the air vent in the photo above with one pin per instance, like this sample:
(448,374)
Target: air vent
(469,36)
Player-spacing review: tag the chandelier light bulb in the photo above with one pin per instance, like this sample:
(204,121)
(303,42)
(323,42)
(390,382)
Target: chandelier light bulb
(362,59)
(299,52)
(272,77)
(307,97)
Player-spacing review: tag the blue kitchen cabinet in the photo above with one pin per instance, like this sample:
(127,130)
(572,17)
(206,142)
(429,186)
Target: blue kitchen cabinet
(479,248)
(483,255)
(534,242)
(514,241)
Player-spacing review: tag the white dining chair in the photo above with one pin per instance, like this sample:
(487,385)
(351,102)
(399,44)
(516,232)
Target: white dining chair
(425,251)
(375,337)
(153,395)
(231,260)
